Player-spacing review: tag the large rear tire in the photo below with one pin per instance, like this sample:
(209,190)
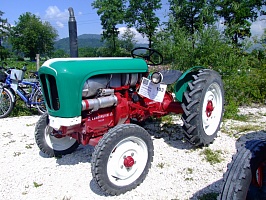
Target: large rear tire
(122,159)
(51,143)
(6,102)
(203,106)
(246,174)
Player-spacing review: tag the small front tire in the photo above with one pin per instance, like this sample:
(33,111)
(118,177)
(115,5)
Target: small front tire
(51,143)
(122,159)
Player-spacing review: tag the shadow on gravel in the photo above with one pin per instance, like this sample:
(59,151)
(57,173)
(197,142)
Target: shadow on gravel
(96,189)
(81,155)
(43,154)
(171,133)
(212,191)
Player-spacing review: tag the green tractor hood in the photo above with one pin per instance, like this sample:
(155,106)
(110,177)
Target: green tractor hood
(62,80)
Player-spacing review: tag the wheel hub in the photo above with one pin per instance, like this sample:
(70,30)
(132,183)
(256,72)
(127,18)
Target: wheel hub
(209,108)
(128,161)
(257,180)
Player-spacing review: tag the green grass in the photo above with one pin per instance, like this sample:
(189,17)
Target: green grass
(16,154)
(167,119)
(190,170)
(37,184)
(20,109)
(213,157)
(29,146)
(208,196)
(161,165)
(233,131)
(247,127)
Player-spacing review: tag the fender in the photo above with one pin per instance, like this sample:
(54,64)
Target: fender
(9,91)
(182,83)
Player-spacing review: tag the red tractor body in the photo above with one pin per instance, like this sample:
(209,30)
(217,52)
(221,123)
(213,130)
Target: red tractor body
(100,101)
(95,124)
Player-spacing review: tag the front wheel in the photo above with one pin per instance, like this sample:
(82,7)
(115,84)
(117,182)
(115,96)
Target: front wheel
(203,106)
(122,159)
(6,102)
(246,174)
(50,141)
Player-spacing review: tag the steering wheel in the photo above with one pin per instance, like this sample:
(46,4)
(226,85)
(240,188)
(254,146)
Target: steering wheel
(151,56)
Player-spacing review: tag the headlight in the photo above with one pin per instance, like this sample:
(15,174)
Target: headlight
(156,77)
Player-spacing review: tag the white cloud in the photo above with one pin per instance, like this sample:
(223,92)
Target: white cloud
(60,24)
(257,27)
(138,37)
(53,12)
(55,15)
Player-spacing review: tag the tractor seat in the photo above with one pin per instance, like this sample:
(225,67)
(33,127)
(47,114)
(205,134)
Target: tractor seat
(170,76)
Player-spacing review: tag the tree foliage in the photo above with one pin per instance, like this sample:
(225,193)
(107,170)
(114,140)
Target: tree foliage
(4,27)
(128,40)
(32,36)
(141,14)
(88,52)
(4,32)
(111,14)
(60,53)
(238,16)
(193,15)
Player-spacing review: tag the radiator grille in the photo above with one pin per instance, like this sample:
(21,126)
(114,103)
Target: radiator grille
(50,91)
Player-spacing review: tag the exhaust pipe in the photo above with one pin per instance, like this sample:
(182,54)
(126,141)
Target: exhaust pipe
(101,102)
(73,39)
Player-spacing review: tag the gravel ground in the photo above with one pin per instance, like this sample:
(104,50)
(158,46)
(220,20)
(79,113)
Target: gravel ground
(179,171)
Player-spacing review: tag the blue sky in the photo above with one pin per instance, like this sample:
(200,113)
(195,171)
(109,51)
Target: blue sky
(56,12)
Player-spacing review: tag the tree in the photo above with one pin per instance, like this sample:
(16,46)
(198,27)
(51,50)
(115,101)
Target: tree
(193,15)
(127,40)
(4,32)
(87,52)
(32,36)
(60,53)
(141,14)
(174,44)
(238,16)
(111,13)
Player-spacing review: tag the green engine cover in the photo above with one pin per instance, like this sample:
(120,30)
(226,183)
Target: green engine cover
(62,80)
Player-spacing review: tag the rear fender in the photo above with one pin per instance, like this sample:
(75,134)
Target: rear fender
(182,83)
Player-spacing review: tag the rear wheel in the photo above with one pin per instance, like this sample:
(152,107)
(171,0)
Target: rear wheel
(122,159)
(246,174)
(203,105)
(6,102)
(50,142)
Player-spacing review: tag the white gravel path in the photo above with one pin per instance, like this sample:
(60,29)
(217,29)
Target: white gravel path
(178,171)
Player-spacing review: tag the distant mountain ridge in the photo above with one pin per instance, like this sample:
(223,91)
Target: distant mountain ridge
(84,40)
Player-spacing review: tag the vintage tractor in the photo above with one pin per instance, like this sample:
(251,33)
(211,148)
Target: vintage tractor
(95,100)
(246,174)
